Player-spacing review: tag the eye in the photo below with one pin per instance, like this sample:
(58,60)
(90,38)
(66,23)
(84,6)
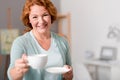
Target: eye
(34,17)
(46,14)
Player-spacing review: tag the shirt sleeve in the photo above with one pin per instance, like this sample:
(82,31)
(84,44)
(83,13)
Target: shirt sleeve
(17,50)
(68,55)
(64,48)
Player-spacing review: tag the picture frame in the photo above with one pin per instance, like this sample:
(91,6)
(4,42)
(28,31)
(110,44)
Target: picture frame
(108,53)
(7,36)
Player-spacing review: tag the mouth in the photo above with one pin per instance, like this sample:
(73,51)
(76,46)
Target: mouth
(44,26)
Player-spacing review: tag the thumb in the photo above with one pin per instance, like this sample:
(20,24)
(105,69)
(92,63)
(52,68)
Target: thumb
(24,57)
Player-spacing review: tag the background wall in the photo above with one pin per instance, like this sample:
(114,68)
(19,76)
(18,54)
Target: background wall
(16,9)
(90,21)
(15,13)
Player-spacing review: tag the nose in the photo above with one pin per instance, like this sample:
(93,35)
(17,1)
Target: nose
(41,20)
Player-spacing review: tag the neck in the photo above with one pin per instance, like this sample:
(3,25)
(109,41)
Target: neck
(42,36)
(43,39)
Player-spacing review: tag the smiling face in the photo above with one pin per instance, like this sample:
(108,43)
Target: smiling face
(40,19)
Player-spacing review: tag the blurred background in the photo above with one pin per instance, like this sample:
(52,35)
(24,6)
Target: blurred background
(93,29)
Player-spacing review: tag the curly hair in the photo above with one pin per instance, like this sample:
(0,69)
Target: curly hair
(26,10)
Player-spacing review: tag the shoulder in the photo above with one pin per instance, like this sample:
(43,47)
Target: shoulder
(59,37)
(23,38)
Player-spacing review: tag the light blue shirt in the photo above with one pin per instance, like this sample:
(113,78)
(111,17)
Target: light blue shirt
(58,55)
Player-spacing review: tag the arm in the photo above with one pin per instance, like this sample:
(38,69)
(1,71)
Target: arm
(65,52)
(18,64)
(20,68)
(68,75)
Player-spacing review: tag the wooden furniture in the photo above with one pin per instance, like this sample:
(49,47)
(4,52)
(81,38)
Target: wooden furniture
(64,26)
(5,58)
(4,63)
(104,70)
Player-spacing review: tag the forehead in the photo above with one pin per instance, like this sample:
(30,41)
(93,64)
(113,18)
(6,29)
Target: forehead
(37,9)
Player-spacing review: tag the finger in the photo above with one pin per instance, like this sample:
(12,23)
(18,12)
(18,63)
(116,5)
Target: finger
(20,63)
(22,71)
(25,70)
(24,57)
(67,66)
(68,75)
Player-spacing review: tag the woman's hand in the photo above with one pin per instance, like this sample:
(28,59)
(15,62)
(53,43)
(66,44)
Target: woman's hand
(20,68)
(69,74)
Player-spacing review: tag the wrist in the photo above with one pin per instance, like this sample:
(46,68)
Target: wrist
(16,74)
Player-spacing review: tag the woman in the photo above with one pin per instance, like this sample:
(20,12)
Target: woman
(37,16)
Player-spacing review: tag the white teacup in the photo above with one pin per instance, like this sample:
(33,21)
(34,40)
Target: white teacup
(37,61)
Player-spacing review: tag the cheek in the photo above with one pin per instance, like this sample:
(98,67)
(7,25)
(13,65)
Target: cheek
(33,23)
(47,19)
(49,22)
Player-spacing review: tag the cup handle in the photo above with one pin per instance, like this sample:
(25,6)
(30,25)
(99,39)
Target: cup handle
(28,61)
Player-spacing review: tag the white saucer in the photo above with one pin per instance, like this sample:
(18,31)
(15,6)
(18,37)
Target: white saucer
(57,70)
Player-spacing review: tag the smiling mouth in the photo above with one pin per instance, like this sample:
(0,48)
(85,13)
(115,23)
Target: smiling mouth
(43,26)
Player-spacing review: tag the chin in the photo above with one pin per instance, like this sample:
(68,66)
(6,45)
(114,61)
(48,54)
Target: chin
(42,31)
